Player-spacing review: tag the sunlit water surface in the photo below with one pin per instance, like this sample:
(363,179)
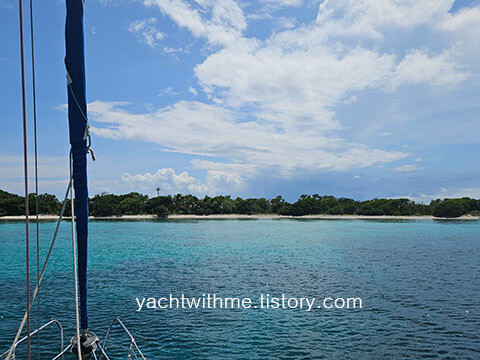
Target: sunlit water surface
(419,282)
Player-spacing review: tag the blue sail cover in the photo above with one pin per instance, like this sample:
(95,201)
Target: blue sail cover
(77,110)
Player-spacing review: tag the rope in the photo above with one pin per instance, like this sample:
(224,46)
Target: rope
(44,268)
(75,274)
(69,83)
(34,97)
(25,166)
(86,136)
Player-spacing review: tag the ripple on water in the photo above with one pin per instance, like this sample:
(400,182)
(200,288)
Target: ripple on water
(418,282)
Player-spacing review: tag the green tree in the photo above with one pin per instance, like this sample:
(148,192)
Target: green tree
(278,205)
(162,211)
(11,204)
(153,205)
(105,205)
(131,206)
(450,208)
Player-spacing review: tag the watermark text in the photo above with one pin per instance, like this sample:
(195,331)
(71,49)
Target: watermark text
(263,301)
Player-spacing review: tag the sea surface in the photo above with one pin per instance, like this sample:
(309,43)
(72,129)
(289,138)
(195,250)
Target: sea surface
(419,282)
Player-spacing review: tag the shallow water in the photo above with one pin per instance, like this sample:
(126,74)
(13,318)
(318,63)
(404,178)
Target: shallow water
(419,282)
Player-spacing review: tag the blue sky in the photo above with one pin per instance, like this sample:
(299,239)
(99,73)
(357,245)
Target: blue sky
(257,98)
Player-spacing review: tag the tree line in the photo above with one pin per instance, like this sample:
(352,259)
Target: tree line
(103,205)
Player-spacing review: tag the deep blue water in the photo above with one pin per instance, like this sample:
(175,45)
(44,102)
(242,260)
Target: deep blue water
(419,282)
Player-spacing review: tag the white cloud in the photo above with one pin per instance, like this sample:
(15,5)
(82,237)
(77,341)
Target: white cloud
(108,2)
(249,147)
(170,50)
(168,92)
(370,17)
(146,30)
(225,25)
(168,181)
(438,70)
(465,22)
(408,168)
(171,183)
(282,3)
(352,100)
(299,75)
(291,86)
(192,91)
(285,23)
(273,101)
(471,192)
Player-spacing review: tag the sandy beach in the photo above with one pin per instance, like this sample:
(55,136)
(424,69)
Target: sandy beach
(242,216)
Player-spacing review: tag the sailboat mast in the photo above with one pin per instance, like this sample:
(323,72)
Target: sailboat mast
(77,111)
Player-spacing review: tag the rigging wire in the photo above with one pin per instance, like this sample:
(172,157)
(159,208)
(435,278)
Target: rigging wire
(26,318)
(25,166)
(87,135)
(75,274)
(44,268)
(34,98)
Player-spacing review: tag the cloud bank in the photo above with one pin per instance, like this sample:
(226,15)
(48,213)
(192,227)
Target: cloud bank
(271,103)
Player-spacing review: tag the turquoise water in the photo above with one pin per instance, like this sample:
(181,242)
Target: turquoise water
(419,282)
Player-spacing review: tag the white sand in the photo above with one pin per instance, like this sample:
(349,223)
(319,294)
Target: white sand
(240,216)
